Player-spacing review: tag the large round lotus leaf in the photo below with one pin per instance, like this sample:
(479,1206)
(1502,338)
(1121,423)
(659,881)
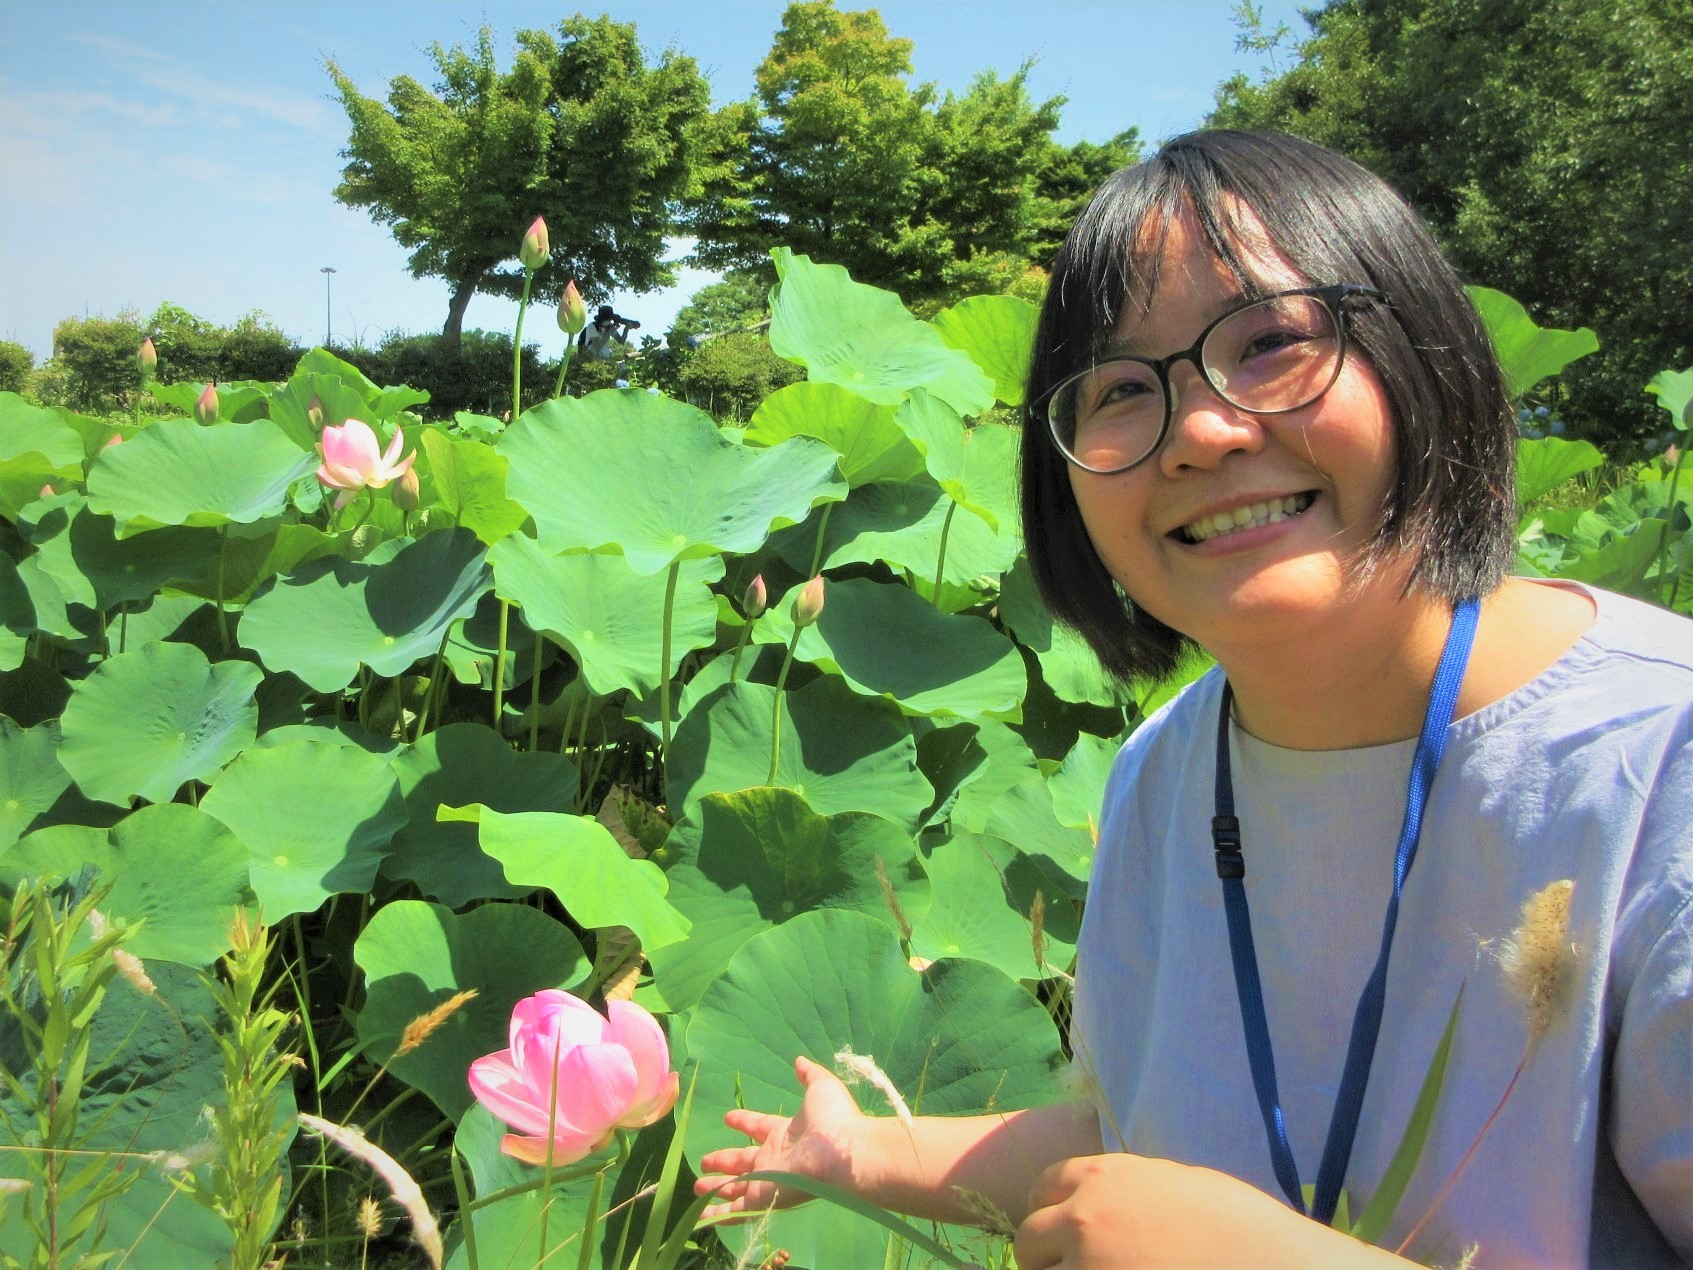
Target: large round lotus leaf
(238,400)
(760,663)
(82,551)
(1069,666)
(334,614)
(1528,353)
(1009,761)
(843,752)
(960,1038)
(972,914)
(249,556)
(415,955)
(468,763)
(998,332)
(1078,786)
(900,525)
(977,467)
(872,447)
(1024,814)
(28,429)
(609,617)
(154,1068)
(178,473)
(316,820)
(577,859)
(172,868)
(17,616)
(747,861)
(863,339)
(31,777)
(146,720)
(884,640)
(654,478)
(1544,463)
(470,485)
(951,758)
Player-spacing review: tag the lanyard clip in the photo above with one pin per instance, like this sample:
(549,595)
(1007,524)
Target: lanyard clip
(1225,841)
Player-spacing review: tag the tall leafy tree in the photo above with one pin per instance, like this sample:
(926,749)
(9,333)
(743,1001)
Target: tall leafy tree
(1550,143)
(580,130)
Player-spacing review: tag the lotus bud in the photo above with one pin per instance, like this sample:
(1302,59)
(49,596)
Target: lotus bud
(115,439)
(206,408)
(572,313)
(809,606)
(46,492)
(147,358)
(533,250)
(314,413)
(755,601)
(404,491)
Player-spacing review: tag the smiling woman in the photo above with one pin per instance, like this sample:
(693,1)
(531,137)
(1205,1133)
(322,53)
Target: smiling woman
(1265,419)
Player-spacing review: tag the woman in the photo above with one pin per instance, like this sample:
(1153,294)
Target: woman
(1266,420)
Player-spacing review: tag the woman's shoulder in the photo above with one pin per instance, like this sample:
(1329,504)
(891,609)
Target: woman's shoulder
(1638,631)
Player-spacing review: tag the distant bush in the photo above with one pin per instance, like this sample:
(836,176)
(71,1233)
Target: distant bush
(477,377)
(16,363)
(729,376)
(95,362)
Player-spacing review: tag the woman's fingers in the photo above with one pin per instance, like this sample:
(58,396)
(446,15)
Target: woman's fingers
(729,1161)
(757,1125)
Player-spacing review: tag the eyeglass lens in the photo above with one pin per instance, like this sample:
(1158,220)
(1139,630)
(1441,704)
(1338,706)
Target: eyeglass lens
(1278,354)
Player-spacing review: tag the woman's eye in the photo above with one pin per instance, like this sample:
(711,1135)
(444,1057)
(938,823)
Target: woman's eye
(1267,342)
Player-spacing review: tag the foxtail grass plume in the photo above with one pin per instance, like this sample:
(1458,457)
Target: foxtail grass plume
(130,967)
(533,251)
(401,1184)
(808,607)
(206,407)
(1538,959)
(854,1068)
(429,1022)
(892,900)
(572,312)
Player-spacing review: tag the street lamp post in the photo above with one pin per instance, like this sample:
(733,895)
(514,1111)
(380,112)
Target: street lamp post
(326,271)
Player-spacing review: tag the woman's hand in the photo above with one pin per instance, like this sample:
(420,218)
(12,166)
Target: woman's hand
(818,1142)
(1101,1211)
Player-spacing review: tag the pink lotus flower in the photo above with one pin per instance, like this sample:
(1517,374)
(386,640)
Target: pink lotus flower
(532,251)
(596,1074)
(572,311)
(352,462)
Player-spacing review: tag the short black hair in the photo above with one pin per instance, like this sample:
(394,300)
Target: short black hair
(1451,503)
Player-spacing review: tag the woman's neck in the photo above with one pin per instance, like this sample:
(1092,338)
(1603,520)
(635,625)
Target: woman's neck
(1367,682)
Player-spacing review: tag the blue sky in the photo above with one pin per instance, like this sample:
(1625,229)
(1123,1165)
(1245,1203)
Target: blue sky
(186,151)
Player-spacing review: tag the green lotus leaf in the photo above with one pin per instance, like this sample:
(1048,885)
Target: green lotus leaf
(93,566)
(970,914)
(747,861)
(977,467)
(147,720)
(333,614)
(998,331)
(239,401)
(862,338)
(885,641)
(154,1068)
(609,617)
(1078,786)
(31,777)
(172,868)
(17,616)
(162,618)
(951,758)
(577,859)
(1008,761)
(655,479)
(1528,353)
(871,446)
(1068,664)
(415,955)
(26,429)
(468,763)
(1674,391)
(841,751)
(178,473)
(960,1038)
(251,555)
(1025,815)
(1544,463)
(469,480)
(760,663)
(316,819)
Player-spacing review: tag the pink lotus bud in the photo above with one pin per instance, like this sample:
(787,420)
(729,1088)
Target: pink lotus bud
(115,439)
(606,1073)
(206,408)
(147,358)
(533,250)
(404,491)
(572,313)
(809,606)
(352,460)
(45,492)
(755,601)
(314,413)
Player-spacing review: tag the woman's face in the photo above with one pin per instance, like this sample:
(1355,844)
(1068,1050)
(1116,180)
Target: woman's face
(1322,472)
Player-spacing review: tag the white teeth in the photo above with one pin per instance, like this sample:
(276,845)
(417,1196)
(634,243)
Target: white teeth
(1248,517)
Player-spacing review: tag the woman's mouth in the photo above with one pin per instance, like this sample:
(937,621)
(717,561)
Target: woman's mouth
(1249,516)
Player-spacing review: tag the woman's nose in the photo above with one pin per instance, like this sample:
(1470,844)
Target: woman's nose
(1203,426)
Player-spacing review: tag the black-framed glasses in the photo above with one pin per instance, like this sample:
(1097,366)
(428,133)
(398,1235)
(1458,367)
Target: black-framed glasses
(1267,356)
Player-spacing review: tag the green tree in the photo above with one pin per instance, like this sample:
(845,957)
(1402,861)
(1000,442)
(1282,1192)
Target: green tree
(580,130)
(16,365)
(1549,142)
(841,158)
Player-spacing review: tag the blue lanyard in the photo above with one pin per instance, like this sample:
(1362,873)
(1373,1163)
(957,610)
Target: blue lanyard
(1366,1020)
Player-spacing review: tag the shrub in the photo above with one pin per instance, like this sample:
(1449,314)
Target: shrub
(16,363)
(729,376)
(477,377)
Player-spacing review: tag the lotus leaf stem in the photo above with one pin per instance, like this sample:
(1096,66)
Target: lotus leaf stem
(500,668)
(664,653)
(740,647)
(564,365)
(517,349)
(223,616)
(1669,517)
(462,1190)
(940,563)
(123,625)
(817,551)
(535,696)
(776,711)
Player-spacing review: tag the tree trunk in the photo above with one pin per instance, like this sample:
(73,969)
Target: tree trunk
(463,290)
